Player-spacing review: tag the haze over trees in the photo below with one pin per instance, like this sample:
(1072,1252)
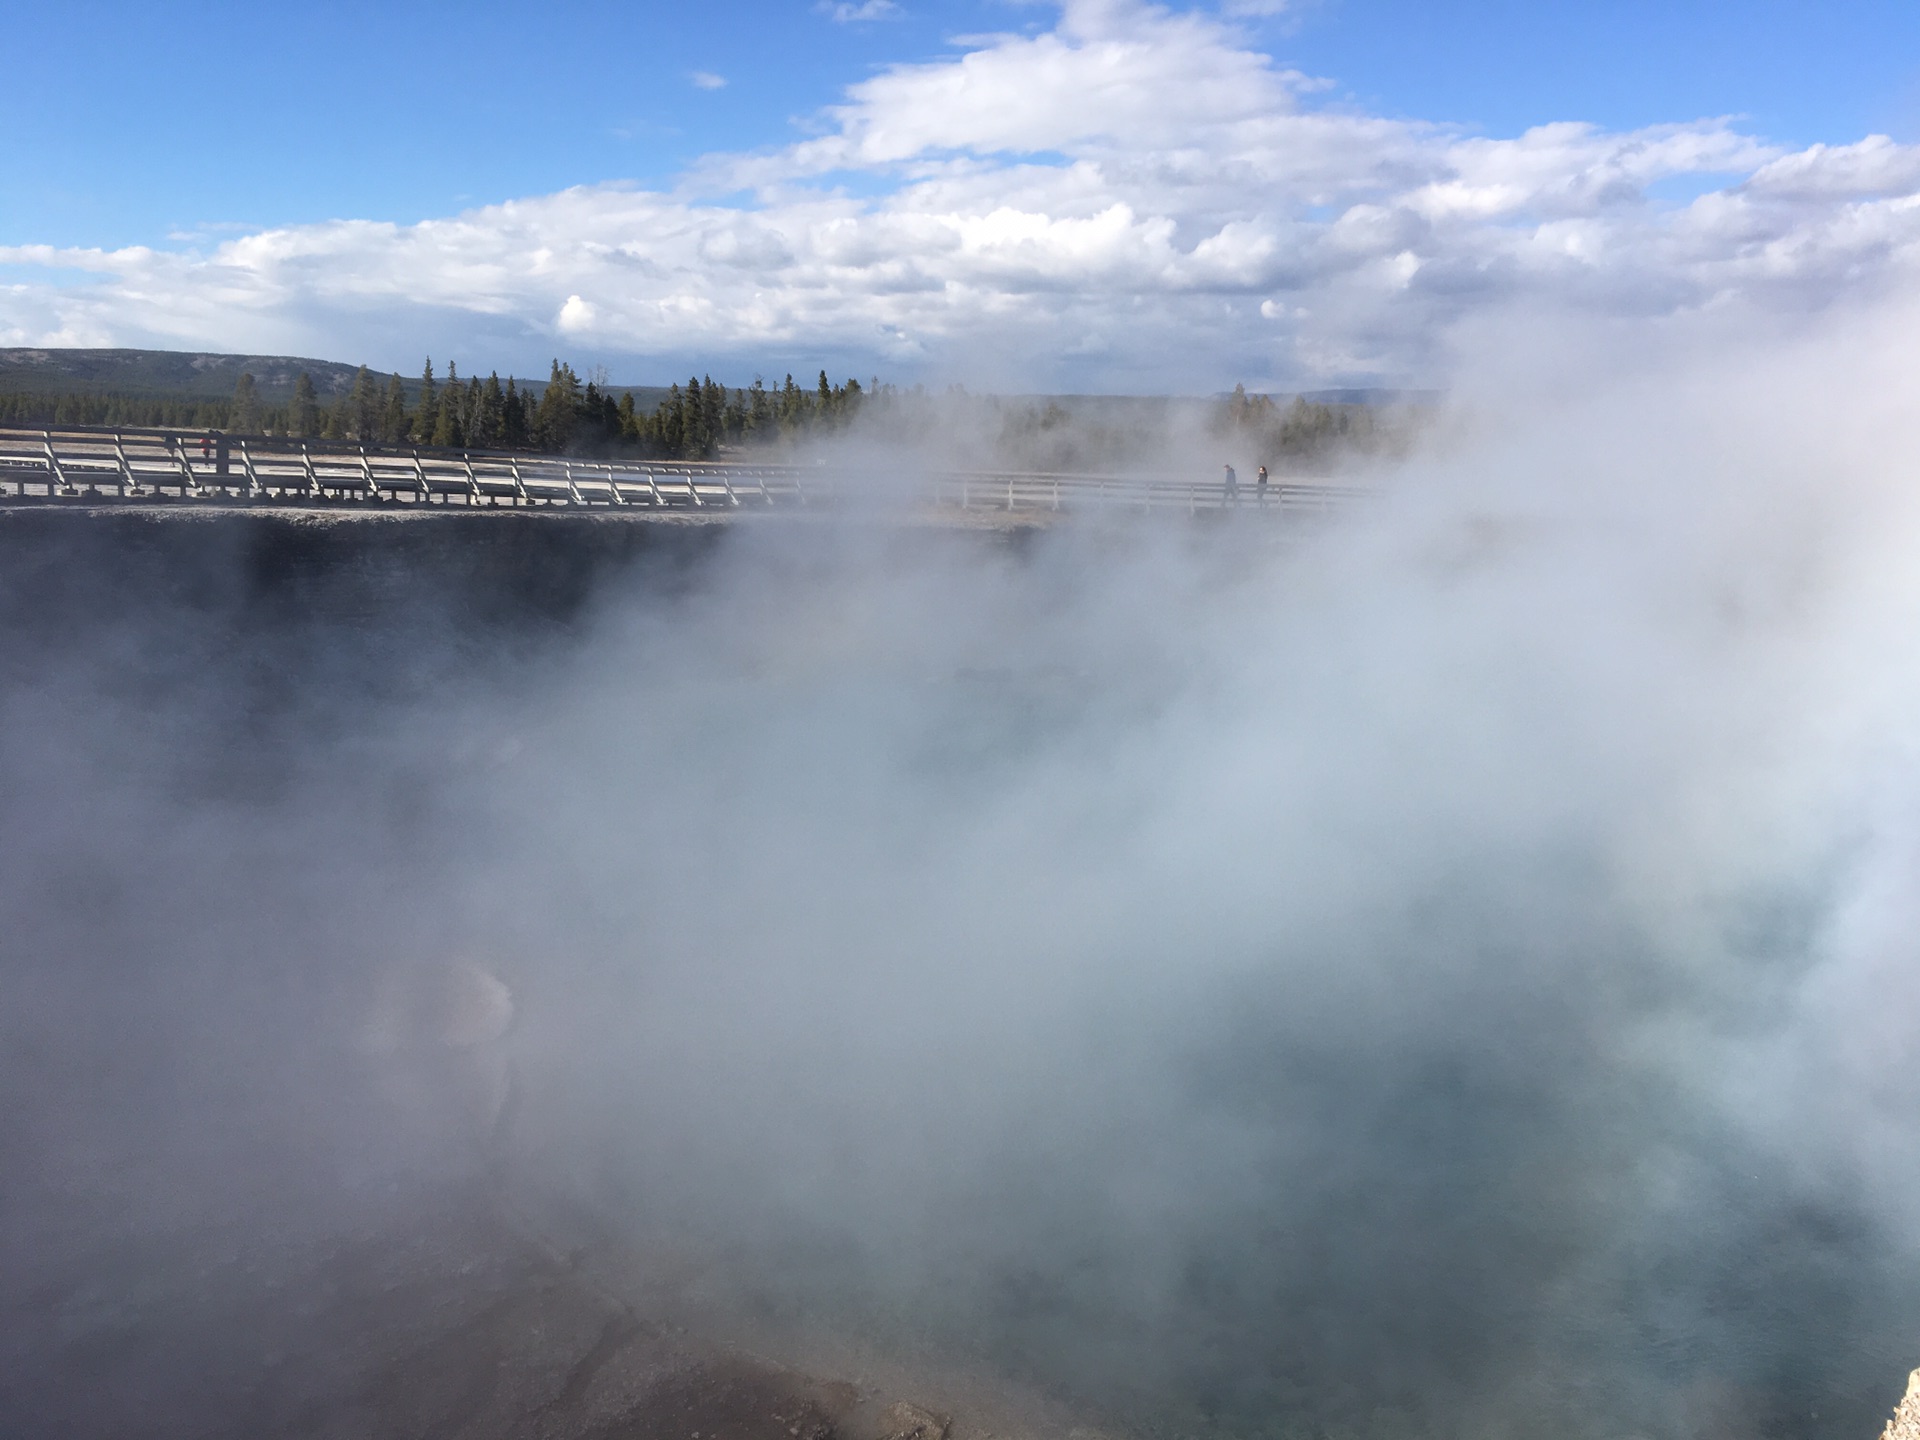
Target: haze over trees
(703,418)
(1303,430)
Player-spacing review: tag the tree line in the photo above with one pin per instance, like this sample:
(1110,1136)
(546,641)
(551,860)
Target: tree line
(1305,431)
(565,416)
(37,409)
(693,422)
(698,419)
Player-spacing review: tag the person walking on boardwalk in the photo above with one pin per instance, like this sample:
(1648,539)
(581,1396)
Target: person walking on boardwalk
(1231,492)
(1260,485)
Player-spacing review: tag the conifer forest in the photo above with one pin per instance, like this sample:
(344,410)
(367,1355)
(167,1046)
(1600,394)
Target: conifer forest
(704,418)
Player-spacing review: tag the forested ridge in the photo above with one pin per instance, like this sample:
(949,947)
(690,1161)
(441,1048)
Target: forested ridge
(703,417)
(562,416)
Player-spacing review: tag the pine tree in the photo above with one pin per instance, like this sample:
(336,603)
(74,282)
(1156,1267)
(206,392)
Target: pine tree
(470,411)
(245,415)
(489,416)
(365,407)
(513,418)
(393,414)
(428,419)
(694,440)
(303,415)
(759,410)
(713,415)
(670,420)
(591,417)
(448,432)
(553,418)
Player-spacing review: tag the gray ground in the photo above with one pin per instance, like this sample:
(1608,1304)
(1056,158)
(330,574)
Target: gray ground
(454,1321)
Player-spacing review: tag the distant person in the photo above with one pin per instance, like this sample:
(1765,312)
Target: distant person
(206,448)
(1260,484)
(1232,490)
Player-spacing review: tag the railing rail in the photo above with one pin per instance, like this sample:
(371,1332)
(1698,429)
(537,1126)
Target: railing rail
(51,465)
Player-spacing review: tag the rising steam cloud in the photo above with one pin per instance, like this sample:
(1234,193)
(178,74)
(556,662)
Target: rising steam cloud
(1442,973)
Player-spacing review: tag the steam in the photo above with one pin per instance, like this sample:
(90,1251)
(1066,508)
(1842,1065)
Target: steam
(1441,970)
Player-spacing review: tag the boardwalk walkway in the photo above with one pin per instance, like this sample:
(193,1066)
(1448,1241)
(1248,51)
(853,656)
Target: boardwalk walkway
(49,466)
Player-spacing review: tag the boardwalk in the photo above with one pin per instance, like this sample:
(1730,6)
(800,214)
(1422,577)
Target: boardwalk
(49,466)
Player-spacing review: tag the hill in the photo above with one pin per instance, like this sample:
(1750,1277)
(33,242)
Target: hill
(200,375)
(173,373)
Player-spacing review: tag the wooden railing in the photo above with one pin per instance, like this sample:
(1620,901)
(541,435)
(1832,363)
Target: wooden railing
(136,465)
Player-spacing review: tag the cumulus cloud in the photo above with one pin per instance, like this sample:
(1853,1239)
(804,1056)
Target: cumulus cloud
(575,316)
(707,80)
(1132,197)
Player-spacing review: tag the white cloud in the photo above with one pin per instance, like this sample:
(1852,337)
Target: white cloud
(847,12)
(1131,198)
(707,80)
(576,317)
(1874,166)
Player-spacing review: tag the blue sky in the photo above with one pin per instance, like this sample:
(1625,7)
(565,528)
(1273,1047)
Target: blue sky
(134,121)
(194,129)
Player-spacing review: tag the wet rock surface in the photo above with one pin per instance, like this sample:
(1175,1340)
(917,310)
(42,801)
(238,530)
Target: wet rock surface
(455,1324)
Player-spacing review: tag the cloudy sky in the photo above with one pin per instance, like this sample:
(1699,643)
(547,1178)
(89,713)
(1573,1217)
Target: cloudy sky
(1093,195)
